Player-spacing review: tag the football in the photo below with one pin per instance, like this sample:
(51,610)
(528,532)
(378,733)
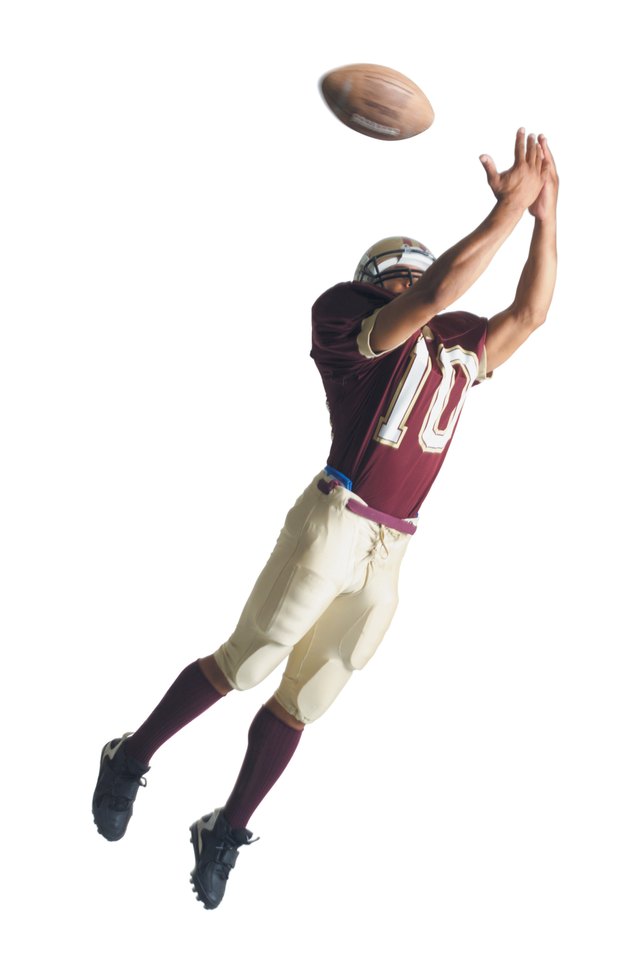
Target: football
(376,101)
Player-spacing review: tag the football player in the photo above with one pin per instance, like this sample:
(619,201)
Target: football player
(396,370)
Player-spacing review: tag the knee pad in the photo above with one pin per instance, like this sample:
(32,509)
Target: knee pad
(247,664)
(307,698)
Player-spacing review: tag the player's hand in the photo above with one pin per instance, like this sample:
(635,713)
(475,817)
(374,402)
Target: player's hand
(520,185)
(544,206)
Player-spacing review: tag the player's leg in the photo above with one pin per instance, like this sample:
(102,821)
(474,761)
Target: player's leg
(272,740)
(308,568)
(350,631)
(322,551)
(196,689)
(343,640)
(125,760)
(297,583)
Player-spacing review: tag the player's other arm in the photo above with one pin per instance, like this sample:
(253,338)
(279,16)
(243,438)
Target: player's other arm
(509,329)
(458,268)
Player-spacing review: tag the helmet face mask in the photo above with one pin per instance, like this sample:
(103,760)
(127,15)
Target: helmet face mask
(391,258)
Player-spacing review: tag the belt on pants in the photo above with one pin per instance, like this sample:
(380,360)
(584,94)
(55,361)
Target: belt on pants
(369,513)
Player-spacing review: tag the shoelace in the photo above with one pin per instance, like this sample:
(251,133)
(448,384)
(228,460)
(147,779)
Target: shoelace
(123,803)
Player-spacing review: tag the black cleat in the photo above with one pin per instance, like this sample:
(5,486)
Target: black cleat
(116,789)
(215,845)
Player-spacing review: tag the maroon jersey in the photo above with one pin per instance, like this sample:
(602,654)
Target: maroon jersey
(392,414)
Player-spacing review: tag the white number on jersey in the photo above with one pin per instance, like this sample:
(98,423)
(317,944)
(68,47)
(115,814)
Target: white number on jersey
(434,435)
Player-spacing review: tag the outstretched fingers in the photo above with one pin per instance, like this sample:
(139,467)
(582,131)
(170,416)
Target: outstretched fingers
(522,182)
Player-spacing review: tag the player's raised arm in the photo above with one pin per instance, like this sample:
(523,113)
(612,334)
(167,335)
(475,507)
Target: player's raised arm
(459,267)
(509,329)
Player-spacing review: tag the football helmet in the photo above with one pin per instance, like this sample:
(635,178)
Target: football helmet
(393,257)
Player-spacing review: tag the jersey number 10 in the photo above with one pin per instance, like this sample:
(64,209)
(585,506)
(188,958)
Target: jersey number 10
(433,435)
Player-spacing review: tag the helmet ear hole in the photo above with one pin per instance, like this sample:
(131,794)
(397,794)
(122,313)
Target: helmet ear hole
(393,256)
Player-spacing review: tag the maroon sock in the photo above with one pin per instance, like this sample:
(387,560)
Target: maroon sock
(272,743)
(188,696)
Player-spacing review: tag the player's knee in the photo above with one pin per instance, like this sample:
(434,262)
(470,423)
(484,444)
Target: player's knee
(246,668)
(307,700)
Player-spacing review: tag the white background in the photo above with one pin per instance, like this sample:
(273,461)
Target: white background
(175,194)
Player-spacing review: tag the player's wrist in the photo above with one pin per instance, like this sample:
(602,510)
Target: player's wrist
(505,215)
(545,225)
(510,206)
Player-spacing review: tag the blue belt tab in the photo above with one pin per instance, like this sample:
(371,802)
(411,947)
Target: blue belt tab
(339,476)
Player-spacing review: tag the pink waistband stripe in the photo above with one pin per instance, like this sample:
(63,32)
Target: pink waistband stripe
(369,513)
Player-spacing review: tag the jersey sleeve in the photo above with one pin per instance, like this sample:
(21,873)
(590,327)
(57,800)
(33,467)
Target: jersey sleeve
(339,343)
(464,330)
